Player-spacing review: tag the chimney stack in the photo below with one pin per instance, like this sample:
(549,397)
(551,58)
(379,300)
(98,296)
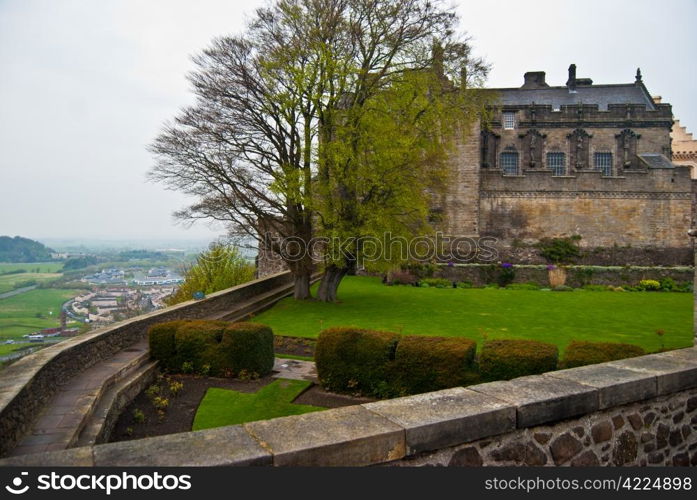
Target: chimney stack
(534,80)
(571,82)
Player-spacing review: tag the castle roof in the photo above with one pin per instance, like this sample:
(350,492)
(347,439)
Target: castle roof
(576,91)
(602,95)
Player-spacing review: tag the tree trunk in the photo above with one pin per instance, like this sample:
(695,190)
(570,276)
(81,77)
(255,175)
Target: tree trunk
(301,290)
(330,283)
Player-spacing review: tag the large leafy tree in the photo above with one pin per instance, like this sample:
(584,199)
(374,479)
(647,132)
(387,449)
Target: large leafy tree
(326,118)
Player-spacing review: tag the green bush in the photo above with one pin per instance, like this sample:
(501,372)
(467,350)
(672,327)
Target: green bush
(589,353)
(507,359)
(465,284)
(560,250)
(197,341)
(668,284)
(424,364)
(244,346)
(218,348)
(436,282)
(161,340)
(649,285)
(356,361)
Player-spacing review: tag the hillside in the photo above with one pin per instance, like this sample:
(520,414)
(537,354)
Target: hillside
(20,249)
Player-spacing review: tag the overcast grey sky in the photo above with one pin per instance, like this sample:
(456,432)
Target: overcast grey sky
(85,85)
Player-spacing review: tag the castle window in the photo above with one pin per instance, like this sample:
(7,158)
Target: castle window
(508,120)
(556,162)
(603,162)
(509,163)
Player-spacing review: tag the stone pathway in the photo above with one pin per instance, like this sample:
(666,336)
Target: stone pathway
(295,369)
(63,417)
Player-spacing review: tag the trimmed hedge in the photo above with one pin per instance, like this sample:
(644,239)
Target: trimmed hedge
(590,353)
(507,359)
(161,341)
(218,348)
(424,364)
(355,360)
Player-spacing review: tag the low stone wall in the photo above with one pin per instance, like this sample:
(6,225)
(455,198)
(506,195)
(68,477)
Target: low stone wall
(27,385)
(640,411)
(482,274)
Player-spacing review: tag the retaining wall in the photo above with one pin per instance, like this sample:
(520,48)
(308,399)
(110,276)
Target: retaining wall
(482,274)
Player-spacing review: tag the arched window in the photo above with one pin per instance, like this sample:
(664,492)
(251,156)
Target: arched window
(509,162)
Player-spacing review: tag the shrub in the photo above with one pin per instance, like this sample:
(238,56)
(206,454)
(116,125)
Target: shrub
(218,348)
(436,282)
(244,347)
(649,285)
(562,288)
(400,277)
(589,353)
(507,359)
(506,275)
(161,340)
(424,364)
(464,284)
(355,361)
(196,341)
(560,250)
(668,284)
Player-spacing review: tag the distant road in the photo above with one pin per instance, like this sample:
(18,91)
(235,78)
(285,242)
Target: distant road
(17,292)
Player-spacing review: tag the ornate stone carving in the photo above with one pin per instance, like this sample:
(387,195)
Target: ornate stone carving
(627,149)
(579,147)
(533,145)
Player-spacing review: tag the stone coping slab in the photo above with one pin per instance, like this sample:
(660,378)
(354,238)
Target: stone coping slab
(230,445)
(616,386)
(447,418)
(674,372)
(349,436)
(541,399)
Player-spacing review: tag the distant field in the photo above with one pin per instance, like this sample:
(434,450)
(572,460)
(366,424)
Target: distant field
(18,314)
(30,267)
(8,282)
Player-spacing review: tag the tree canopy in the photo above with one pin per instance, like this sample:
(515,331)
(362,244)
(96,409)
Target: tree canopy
(325,118)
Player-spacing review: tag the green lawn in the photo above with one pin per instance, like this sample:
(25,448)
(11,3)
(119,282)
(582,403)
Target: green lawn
(18,313)
(221,407)
(556,317)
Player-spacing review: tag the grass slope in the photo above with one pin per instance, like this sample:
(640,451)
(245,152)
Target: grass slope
(556,317)
(221,407)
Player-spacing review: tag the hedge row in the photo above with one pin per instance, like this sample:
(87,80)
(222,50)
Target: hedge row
(384,364)
(219,348)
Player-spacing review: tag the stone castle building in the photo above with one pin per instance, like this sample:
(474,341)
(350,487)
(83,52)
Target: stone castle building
(578,159)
